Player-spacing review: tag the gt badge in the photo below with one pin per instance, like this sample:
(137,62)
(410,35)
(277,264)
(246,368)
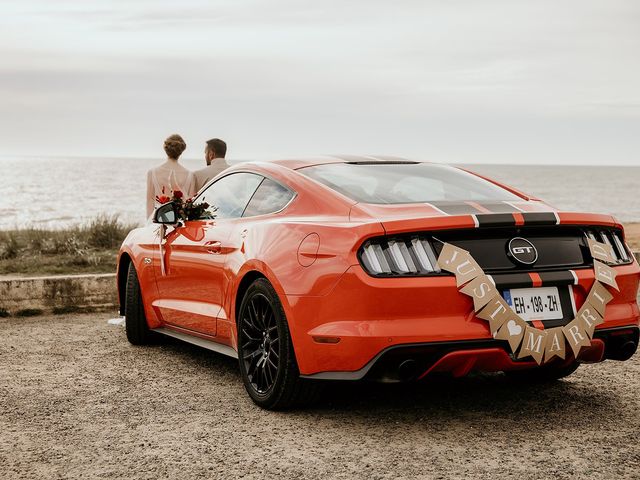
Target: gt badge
(523,251)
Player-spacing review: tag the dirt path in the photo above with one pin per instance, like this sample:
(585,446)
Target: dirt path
(77,401)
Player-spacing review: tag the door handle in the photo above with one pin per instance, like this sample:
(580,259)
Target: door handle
(213,247)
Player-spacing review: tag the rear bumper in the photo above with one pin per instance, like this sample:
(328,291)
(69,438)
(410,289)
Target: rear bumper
(416,361)
(368,318)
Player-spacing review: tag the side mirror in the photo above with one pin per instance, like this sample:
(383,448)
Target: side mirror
(166,214)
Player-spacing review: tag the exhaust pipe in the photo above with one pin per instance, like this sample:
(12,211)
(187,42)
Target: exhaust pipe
(408,370)
(624,351)
(627,350)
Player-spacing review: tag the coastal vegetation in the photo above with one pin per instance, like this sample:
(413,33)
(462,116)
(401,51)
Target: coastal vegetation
(86,248)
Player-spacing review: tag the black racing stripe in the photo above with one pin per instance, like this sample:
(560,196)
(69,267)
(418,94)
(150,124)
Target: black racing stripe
(556,278)
(539,218)
(496,220)
(451,208)
(498,207)
(512,280)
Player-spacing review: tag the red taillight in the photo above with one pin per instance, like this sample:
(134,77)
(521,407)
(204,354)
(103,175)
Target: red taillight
(388,256)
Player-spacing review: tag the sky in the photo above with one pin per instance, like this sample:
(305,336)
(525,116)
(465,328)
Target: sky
(461,81)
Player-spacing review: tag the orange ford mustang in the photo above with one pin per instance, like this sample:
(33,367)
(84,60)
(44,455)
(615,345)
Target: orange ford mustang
(325,269)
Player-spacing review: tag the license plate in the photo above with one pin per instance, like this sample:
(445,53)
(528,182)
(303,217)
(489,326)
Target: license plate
(541,303)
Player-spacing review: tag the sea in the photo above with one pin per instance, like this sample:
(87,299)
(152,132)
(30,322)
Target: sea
(57,192)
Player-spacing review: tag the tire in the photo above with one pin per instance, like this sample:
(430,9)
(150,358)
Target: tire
(267,359)
(543,374)
(138,332)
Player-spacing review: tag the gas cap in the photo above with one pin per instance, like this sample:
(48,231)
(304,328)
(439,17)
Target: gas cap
(308,249)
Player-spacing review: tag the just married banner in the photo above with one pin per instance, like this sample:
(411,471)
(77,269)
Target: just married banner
(504,324)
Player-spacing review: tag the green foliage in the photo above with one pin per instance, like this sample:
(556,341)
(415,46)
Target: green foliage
(88,248)
(106,232)
(9,246)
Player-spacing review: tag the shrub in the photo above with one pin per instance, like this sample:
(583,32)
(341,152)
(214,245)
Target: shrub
(91,247)
(10,247)
(106,232)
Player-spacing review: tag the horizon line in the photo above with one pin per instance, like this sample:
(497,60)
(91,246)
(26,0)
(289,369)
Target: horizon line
(232,160)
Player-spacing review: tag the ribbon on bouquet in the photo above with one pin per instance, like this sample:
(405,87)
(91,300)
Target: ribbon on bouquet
(504,324)
(161,234)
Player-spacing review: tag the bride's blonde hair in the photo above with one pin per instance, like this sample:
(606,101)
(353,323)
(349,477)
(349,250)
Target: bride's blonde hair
(174,145)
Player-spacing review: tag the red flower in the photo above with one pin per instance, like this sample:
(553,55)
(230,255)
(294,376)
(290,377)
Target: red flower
(178,194)
(163,199)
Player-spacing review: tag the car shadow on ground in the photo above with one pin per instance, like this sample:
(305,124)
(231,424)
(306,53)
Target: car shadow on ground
(480,390)
(437,397)
(477,397)
(198,356)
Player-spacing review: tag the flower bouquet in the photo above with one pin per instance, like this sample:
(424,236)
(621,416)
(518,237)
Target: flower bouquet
(187,209)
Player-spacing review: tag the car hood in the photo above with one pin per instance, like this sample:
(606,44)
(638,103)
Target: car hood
(398,218)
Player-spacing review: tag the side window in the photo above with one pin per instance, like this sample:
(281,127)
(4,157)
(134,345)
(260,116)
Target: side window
(269,197)
(231,194)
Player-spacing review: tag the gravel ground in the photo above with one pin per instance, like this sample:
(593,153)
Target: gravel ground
(77,401)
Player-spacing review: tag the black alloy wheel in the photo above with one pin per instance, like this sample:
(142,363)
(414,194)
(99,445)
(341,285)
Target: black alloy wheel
(260,350)
(136,327)
(267,358)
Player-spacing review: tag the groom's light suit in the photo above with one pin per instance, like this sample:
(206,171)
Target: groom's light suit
(210,171)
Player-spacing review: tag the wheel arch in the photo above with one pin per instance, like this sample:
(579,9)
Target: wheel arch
(121,278)
(248,278)
(246,275)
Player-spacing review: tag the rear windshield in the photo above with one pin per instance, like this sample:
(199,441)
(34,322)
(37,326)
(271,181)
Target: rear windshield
(405,183)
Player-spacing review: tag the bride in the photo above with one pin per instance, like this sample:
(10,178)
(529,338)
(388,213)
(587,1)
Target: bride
(170,176)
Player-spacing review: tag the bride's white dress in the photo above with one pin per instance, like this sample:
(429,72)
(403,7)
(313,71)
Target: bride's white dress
(165,179)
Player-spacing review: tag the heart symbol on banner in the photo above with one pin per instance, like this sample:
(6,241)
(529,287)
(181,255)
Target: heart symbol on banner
(514,328)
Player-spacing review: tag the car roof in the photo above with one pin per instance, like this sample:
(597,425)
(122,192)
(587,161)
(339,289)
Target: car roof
(296,163)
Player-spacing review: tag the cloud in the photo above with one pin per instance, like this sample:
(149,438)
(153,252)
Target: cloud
(494,80)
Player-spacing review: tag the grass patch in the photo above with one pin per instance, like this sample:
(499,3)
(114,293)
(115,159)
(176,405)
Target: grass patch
(88,248)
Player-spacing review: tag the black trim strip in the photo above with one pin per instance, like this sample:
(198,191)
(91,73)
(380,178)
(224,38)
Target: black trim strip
(523,280)
(556,278)
(512,280)
(496,220)
(540,218)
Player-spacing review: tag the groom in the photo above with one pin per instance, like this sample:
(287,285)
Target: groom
(214,154)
